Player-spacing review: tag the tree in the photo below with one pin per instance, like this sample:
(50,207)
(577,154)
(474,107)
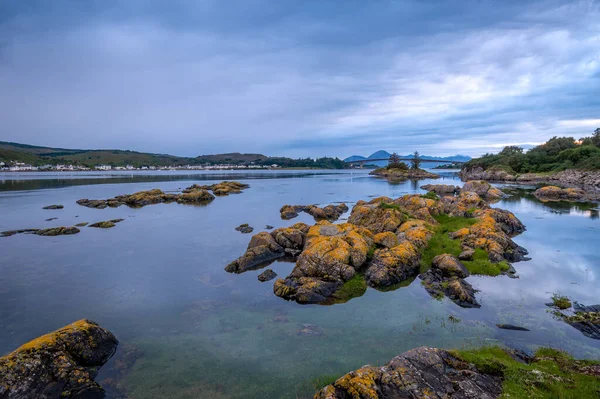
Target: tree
(396,163)
(596,137)
(416,160)
(511,150)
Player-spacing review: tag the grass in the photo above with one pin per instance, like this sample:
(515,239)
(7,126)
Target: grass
(441,243)
(353,288)
(552,373)
(561,302)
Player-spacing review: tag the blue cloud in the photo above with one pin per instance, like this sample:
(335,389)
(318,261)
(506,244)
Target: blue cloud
(298,78)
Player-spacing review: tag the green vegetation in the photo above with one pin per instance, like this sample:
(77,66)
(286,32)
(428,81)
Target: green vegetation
(441,243)
(559,153)
(551,374)
(561,302)
(353,288)
(324,380)
(431,195)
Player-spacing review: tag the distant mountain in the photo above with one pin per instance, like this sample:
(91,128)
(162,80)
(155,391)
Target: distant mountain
(382,154)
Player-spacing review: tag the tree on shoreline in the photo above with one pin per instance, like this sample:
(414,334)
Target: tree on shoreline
(416,160)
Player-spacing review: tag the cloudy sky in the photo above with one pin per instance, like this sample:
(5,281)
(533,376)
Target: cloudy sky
(298,78)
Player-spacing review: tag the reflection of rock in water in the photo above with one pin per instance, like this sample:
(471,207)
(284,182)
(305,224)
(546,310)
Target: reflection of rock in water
(122,363)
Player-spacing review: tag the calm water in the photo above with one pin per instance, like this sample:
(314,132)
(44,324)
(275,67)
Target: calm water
(156,280)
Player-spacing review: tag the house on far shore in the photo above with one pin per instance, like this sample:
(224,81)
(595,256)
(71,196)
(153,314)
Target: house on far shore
(103,167)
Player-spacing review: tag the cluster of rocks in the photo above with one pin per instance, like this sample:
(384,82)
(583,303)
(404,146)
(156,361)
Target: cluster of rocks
(383,240)
(329,212)
(403,174)
(480,187)
(61,364)
(107,224)
(51,232)
(585,319)
(194,194)
(419,373)
(244,228)
(554,193)
(587,180)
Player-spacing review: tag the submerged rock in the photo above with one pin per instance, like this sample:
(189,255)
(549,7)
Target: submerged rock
(244,228)
(53,207)
(330,212)
(310,330)
(419,373)
(61,364)
(267,275)
(107,224)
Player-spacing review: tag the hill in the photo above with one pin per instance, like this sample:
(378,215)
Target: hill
(38,156)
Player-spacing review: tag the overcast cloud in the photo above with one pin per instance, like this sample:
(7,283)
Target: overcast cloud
(298,78)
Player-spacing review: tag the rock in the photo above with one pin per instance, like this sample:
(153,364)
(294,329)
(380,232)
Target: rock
(441,189)
(57,231)
(483,189)
(329,212)
(386,239)
(450,266)
(22,231)
(419,373)
(267,275)
(511,327)
(467,254)
(219,189)
(379,215)
(310,330)
(50,219)
(53,207)
(456,289)
(586,319)
(61,364)
(268,227)
(244,228)
(82,224)
(195,197)
(393,266)
(553,193)
(106,224)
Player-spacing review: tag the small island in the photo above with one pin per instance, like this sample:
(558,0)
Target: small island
(398,170)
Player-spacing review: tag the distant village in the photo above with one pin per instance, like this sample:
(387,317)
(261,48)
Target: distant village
(24,167)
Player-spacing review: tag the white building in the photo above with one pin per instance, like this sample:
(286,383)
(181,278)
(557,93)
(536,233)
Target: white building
(103,167)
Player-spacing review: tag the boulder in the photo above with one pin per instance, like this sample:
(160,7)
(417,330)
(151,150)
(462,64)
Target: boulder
(467,254)
(195,197)
(483,189)
(449,266)
(456,289)
(386,239)
(61,364)
(329,212)
(419,373)
(244,228)
(106,224)
(554,193)
(441,189)
(57,231)
(289,211)
(392,266)
(267,275)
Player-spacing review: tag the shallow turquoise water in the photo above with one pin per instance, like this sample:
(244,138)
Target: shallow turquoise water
(157,281)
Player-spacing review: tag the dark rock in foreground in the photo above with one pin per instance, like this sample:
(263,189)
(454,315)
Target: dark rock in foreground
(419,373)
(267,275)
(53,207)
(61,364)
(329,212)
(244,228)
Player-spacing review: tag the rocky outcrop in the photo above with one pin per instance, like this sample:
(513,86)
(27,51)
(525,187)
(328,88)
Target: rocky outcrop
(332,255)
(194,194)
(483,189)
(107,224)
(53,207)
(442,189)
(586,319)
(53,231)
(554,193)
(446,278)
(267,275)
(329,212)
(587,180)
(244,228)
(403,174)
(419,373)
(61,364)
(267,247)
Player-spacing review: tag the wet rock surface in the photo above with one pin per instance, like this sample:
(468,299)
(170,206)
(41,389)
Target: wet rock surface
(244,228)
(419,373)
(107,224)
(53,207)
(61,364)
(330,212)
(194,194)
(267,275)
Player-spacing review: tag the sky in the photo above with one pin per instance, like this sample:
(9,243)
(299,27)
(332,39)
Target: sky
(298,78)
